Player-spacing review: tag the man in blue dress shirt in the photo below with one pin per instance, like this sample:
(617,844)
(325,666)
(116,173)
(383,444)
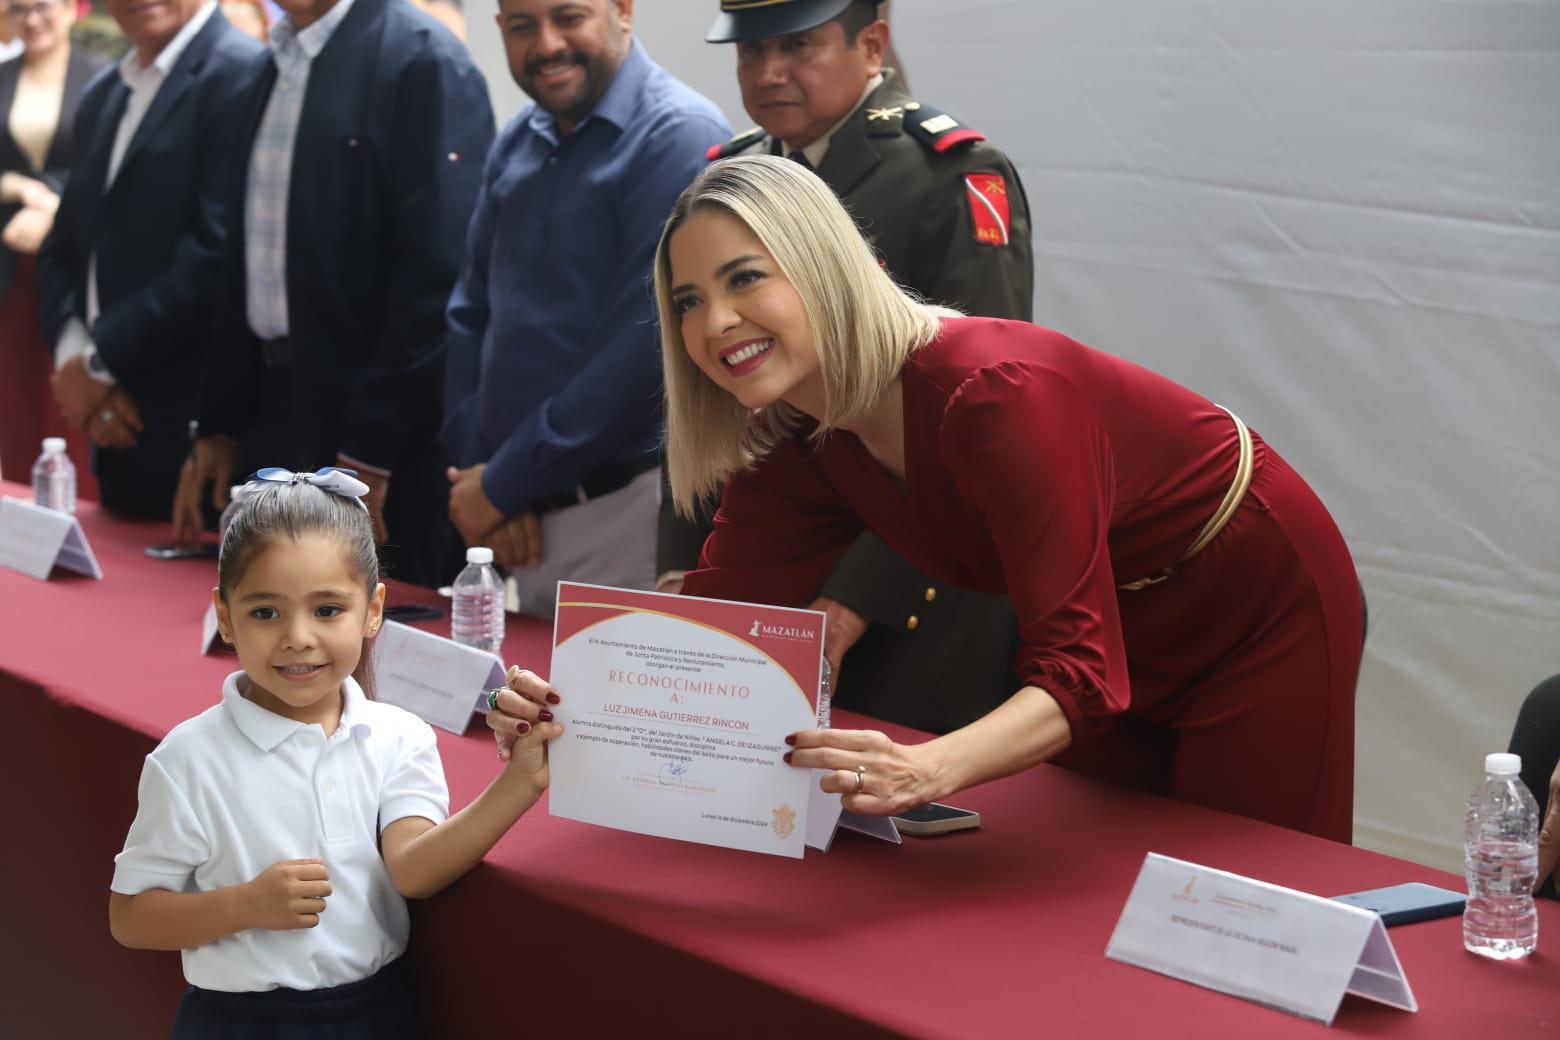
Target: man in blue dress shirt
(552,392)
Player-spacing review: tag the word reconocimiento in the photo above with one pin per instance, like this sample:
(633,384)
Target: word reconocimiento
(679,685)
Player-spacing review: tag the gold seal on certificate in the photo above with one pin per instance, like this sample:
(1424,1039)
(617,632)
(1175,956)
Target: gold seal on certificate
(784,821)
(675,714)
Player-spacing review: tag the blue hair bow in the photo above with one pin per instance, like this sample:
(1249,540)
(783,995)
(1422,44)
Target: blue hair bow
(337,481)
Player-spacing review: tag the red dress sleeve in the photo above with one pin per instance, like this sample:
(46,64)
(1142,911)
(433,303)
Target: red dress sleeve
(1029,453)
(777,535)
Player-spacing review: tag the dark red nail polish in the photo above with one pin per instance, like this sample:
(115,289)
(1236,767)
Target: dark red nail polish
(791,740)
(524,727)
(553,698)
(787,758)
(544,715)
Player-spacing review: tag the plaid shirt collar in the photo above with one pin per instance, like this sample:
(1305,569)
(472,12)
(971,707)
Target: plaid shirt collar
(292,47)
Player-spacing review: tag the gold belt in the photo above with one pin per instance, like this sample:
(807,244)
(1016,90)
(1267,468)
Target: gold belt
(1220,517)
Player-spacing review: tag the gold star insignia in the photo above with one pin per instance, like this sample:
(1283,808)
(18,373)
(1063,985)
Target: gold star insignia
(884,114)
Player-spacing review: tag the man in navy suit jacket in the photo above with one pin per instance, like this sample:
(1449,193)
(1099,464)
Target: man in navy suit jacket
(126,276)
(365,134)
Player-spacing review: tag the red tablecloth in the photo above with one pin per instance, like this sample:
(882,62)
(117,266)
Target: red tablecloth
(581,930)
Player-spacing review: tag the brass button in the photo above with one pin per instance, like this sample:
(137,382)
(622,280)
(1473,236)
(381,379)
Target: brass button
(931,594)
(914,621)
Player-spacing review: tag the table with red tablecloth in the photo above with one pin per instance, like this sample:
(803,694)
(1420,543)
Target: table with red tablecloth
(579,930)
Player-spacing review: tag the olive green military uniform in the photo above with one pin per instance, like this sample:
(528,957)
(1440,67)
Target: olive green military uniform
(934,657)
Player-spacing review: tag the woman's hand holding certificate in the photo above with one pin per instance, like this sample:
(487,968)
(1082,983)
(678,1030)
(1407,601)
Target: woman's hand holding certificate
(521,719)
(874,775)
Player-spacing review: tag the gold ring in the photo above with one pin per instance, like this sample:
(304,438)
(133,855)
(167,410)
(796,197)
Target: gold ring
(861,779)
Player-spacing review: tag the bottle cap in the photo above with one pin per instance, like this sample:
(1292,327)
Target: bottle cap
(479,554)
(56,445)
(1502,764)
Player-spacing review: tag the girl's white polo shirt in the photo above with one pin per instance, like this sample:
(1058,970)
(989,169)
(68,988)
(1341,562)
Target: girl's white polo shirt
(237,788)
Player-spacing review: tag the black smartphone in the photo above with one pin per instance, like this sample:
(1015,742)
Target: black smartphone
(1405,904)
(184,551)
(935,818)
(409,612)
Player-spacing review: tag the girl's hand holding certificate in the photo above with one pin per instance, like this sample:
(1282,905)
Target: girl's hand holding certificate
(521,718)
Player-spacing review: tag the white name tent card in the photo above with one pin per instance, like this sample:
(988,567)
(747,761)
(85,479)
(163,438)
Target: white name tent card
(210,635)
(883,828)
(1275,946)
(827,816)
(435,678)
(34,541)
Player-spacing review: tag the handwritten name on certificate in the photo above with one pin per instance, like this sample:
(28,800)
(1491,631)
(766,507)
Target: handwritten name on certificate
(675,714)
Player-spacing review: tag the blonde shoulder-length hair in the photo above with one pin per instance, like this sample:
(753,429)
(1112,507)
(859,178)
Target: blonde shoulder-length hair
(864,326)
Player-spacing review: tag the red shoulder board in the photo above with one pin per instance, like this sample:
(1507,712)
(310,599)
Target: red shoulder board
(937,130)
(988,199)
(735,145)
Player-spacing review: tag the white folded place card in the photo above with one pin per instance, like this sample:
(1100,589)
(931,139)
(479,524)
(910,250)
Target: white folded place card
(209,633)
(827,816)
(883,828)
(823,815)
(1289,950)
(34,540)
(435,678)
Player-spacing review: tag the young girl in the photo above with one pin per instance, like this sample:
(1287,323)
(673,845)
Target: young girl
(281,831)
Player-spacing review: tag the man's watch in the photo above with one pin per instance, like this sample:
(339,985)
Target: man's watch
(94,364)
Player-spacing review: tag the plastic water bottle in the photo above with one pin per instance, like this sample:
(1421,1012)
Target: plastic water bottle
(54,478)
(1501,855)
(477,618)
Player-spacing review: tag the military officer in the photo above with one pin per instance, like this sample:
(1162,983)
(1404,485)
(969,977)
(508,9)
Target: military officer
(944,208)
(948,217)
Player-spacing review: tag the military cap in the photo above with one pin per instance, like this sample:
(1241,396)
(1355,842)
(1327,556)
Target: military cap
(743,20)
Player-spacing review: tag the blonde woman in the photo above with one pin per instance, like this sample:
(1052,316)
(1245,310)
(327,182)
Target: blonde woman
(1189,614)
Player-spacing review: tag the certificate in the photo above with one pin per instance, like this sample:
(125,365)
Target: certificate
(675,713)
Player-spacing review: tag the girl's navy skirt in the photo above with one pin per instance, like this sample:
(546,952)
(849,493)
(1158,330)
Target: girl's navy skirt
(380,1007)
